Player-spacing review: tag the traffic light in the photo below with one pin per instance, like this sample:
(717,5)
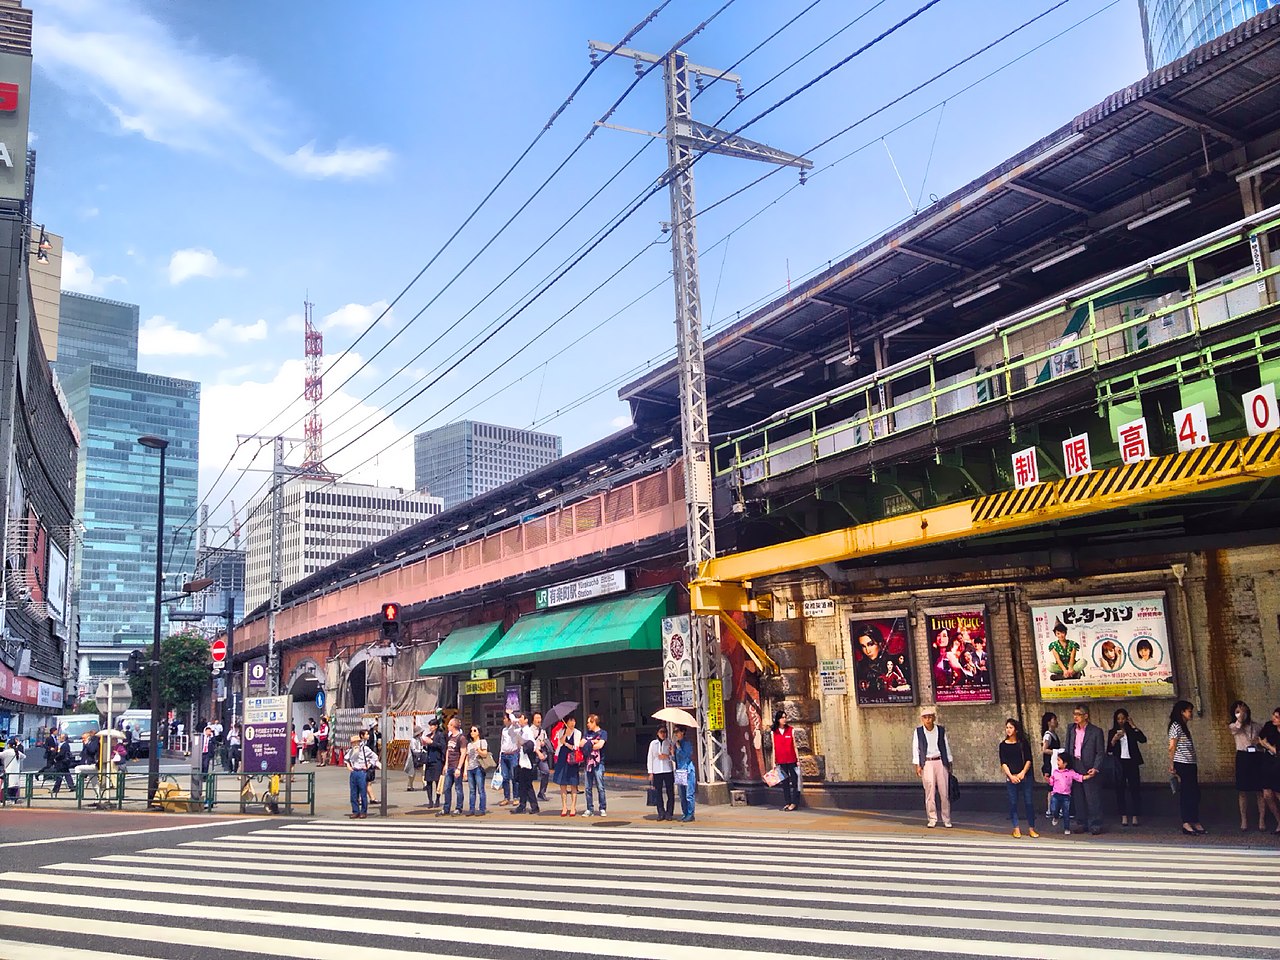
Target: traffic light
(135,661)
(390,623)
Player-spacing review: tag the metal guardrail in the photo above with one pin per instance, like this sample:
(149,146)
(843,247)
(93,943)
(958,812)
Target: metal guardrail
(271,793)
(1087,328)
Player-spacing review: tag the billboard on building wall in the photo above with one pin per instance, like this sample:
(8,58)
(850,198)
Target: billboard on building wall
(36,558)
(56,590)
(15,99)
(882,670)
(1109,647)
(959,655)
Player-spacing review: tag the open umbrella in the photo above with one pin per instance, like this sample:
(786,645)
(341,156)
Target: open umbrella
(557,714)
(681,718)
(110,734)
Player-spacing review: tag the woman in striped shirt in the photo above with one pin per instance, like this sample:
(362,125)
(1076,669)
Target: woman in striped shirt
(1182,764)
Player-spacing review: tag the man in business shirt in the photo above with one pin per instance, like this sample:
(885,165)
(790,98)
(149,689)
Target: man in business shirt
(509,757)
(1083,747)
(931,755)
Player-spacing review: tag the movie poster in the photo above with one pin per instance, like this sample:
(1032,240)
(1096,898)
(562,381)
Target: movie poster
(882,670)
(1112,647)
(958,655)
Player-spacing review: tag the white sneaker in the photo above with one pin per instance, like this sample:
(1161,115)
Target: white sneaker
(932,823)
(601,813)
(588,813)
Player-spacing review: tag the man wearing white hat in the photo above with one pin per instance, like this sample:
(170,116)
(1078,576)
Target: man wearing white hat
(931,754)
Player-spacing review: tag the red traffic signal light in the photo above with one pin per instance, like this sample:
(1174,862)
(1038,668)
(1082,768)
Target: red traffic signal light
(391,613)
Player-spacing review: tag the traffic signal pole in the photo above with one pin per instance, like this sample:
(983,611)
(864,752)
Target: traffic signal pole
(387,652)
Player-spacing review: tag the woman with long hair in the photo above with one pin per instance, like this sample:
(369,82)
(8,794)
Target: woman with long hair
(784,757)
(1184,767)
(568,769)
(1050,743)
(1122,743)
(1248,763)
(1015,764)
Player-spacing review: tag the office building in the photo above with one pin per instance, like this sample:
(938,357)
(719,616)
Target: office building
(465,459)
(117,486)
(95,330)
(225,567)
(1173,28)
(324,521)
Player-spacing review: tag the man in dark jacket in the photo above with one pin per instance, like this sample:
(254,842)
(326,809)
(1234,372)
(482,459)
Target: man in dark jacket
(1083,746)
(63,761)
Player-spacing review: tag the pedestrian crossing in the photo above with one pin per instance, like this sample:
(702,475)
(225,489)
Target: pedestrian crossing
(495,890)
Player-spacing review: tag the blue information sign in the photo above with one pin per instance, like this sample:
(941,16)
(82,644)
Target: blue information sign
(320,699)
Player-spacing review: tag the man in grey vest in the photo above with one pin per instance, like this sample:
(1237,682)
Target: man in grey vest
(931,755)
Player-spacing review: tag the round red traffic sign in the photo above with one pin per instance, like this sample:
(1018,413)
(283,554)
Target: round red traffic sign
(219,650)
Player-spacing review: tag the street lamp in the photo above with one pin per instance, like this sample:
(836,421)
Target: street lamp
(153,752)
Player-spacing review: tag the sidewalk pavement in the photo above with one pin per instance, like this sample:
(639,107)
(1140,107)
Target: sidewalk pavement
(626,801)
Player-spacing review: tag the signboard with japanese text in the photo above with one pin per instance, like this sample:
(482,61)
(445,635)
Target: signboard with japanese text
(588,588)
(677,662)
(266,734)
(819,608)
(882,669)
(715,704)
(1026,468)
(15,87)
(833,678)
(473,688)
(1132,440)
(1076,457)
(1108,647)
(958,655)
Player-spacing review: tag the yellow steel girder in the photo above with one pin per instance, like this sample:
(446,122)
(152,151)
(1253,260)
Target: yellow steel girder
(722,582)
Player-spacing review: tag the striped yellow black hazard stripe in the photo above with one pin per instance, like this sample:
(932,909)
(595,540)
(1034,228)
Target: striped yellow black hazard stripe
(1156,479)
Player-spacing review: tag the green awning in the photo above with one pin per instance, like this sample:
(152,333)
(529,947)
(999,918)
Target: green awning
(459,649)
(633,622)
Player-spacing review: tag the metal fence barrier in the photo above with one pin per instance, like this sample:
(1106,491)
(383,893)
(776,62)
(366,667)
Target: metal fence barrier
(268,793)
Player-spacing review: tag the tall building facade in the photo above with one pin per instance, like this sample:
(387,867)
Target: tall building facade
(1173,28)
(324,521)
(95,330)
(225,567)
(117,496)
(465,459)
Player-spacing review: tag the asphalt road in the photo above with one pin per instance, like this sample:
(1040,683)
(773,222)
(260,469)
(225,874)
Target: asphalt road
(503,887)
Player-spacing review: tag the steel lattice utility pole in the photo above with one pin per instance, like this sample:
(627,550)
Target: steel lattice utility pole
(277,563)
(686,138)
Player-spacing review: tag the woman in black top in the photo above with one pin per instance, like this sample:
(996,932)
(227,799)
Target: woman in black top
(1122,743)
(1015,764)
(1269,744)
(1049,743)
(435,741)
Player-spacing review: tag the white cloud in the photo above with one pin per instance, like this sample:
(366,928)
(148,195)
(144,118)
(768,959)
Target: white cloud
(231,408)
(159,336)
(171,91)
(345,162)
(77,275)
(355,316)
(228,330)
(88,213)
(621,423)
(199,262)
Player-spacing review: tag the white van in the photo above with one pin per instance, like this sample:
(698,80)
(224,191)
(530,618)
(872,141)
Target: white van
(75,725)
(140,722)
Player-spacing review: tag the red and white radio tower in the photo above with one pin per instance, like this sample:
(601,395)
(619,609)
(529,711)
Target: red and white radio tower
(314,392)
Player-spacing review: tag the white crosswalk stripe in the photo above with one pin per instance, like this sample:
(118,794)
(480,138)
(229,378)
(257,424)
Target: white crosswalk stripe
(390,891)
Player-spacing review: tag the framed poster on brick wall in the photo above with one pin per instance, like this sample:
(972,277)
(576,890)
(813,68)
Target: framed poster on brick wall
(1104,647)
(883,673)
(958,654)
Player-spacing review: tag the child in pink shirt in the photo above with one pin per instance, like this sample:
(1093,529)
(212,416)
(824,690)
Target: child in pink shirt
(1061,779)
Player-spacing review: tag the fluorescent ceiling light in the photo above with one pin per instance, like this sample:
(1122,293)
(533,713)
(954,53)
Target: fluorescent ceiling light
(1064,255)
(836,357)
(910,324)
(1262,167)
(789,378)
(661,443)
(500,511)
(600,469)
(742,399)
(1162,212)
(976,295)
(542,495)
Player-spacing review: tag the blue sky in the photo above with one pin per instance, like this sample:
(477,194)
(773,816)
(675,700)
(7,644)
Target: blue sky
(213,163)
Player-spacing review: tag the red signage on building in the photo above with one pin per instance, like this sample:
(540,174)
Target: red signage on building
(8,97)
(219,650)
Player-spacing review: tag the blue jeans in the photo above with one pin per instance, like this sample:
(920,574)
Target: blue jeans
(688,793)
(359,781)
(507,763)
(453,785)
(1023,790)
(476,779)
(595,778)
(1060,808)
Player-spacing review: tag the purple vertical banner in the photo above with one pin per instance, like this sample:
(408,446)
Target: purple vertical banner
(266,748)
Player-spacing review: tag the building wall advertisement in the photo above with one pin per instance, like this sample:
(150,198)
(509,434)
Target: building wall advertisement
(882,669)
(958,655)
(1110,647)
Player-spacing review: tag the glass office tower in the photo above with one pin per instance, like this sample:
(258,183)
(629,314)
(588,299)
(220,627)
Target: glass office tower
(117,488)
(465,459)
(1173,28)
(94,330)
